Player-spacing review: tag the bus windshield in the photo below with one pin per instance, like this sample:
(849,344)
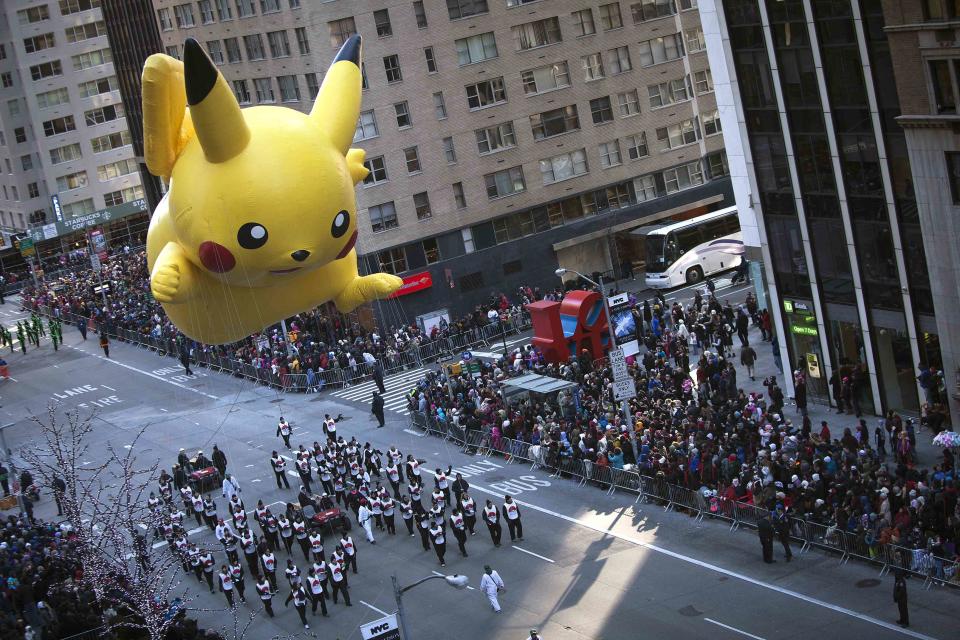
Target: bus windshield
(656,260)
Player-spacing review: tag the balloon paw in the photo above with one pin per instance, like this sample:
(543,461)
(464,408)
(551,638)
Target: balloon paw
(165,283)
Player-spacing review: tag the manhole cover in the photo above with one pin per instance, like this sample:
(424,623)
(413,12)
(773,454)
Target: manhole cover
(690,611)
(868,582)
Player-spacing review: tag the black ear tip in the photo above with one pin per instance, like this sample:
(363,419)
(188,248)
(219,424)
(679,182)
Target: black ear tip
(199,73)
(350,50)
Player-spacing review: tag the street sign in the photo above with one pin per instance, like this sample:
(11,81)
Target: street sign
(474,369)
(466,356)
(617,300)
(26,247)
(624,389)
(619,364)
(95,261)
(382,629)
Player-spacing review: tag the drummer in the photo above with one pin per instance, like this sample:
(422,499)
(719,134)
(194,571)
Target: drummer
(201,461)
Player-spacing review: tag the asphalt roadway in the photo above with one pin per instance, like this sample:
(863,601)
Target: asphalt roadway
(591,566)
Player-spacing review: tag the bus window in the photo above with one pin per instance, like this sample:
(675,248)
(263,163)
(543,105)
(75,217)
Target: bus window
(656,253)
(687,240)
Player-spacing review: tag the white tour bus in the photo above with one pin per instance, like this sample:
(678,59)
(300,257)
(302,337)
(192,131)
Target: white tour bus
(686,252)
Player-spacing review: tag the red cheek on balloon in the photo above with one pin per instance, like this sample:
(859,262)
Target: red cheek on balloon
(216,257)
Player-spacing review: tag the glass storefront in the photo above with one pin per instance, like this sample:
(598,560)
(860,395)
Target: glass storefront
(898,386)
(850,361)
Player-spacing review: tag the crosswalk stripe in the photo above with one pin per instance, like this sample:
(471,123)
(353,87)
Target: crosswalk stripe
(393,384)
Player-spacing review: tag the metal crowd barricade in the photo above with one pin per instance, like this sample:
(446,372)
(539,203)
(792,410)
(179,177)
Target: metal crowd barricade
(473,442)
(682,498)
(520,451)
(658,489)
(856,546)
(570,468)
(627,481)
(828,538)
(293,382)
(747,514)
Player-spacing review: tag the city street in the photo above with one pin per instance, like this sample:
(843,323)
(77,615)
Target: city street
(591,566)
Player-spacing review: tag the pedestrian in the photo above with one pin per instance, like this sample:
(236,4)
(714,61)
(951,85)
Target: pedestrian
(219,460)
(491,515)
(105,343)
(317,592)
(338,582)
(511,512)
(748,358)
(283,430)
(439,543)
(59,488)
(782,526)
(492,584)
(231,487)
(765,531)
(377,409)
(286,532)
(459,487)
(185,360)
(378,378)
(266,595)
(469,507)
(279,469)
(269,563)
(226,584)
(406,512)
(534,635)
(208,563)
(365,519)
(459,529)
(4,480)
(900,597)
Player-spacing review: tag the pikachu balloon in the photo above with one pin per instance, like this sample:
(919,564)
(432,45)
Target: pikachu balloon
(260,219)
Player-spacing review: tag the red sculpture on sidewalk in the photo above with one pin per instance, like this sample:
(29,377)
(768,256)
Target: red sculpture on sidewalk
(564,329)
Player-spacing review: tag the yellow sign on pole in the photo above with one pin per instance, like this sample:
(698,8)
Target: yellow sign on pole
(813,365)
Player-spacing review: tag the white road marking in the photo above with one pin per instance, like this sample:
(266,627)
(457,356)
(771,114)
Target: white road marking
(164,410)
(151,375)
(414,433)
(127,446)
(437,573)
(106,387)
(380,611)
(142,526)
(247,466)
(286,458)
(256,480)
(734,629)
(197,530)
(717,569)
(536,555)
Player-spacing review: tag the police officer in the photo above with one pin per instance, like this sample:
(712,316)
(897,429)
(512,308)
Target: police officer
(511,513)
(492,517)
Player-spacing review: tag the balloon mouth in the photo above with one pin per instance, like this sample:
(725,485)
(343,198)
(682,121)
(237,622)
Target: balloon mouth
(347,247)
(283,271)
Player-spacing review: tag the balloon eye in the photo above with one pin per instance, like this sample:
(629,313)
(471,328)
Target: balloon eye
(340,224)
(252,236)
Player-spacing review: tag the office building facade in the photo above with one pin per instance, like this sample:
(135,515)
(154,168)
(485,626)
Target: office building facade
(66,145)
(504,137)
(824,165)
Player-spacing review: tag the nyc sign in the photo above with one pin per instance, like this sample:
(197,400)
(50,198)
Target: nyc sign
(382,629)
(564,329)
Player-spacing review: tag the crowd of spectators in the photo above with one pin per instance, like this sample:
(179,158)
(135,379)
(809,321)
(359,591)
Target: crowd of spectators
(696,427)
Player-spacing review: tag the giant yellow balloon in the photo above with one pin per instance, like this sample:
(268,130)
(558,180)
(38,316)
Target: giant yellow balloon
(260,220)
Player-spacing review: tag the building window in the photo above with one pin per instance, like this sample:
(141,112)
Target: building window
(47,70)
(449,150)
(289,88)
(402,110)
(98,87)
(695,40)
(459,198)
(269,6)
(610,154)
(364,85)
(86,31)
(683,177)
(687,4)
(431,60)
(114,198)
(563,166)
(163,17)
(279,44)
(104,114)
(110,141)
(26,162)
(717,164)
(711,123)
(253,43)
(303,41)
(245,8)
(91,59)
(224,10)
(215,49)
(505,183)
(943,82)
(341,30)
(600,110)
(391,65)
(206,11)
(241,91)
(610,17)
(116,169)
(173,51)
(629,102)
(38,43)
(76,180)
(554,122)
(678,135)
(233,50)
(457,9)
(548,78)
(33,14)
(496,138)
(381,19)
(80,208)
(637,146)
(584,21)
(393,260)
(667,93)
(378,170)
(366,126)
(476,48)
(431,250)
(6,79)
(471,281)
(645,187)
(53,98)
(592,67)
(411,156)
(661,49)
(439,106)
(313,85)
(420,14)
(264,89)
(539,33)
(703,81)
(652,9)
(619,60)
(953,174)
(20,134)
(13,106)
(183,14)
(486,93)
(421,202)
(33,190)
(383,217)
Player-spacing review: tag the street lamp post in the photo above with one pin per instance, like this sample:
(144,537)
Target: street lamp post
(11,465)
(455,581)
(625,405)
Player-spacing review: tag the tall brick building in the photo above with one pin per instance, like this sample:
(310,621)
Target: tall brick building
(504,137)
